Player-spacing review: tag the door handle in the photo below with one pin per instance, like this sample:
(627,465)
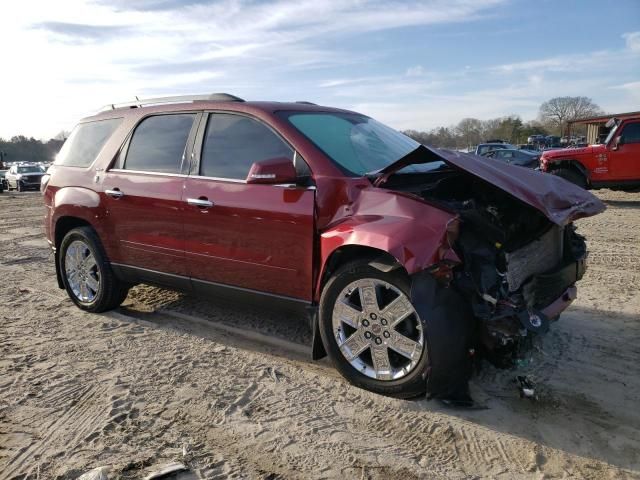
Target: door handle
(115,193)
(200,202)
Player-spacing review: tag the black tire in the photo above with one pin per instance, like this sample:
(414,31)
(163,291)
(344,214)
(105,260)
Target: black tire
(111,291)
(572,176)
(412,384)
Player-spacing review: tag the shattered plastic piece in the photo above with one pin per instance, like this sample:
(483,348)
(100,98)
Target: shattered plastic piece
(98,473)
(526,388)
(167,470)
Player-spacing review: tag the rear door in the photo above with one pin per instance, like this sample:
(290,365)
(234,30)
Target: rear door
(256,237)
(143,195)
(625,161)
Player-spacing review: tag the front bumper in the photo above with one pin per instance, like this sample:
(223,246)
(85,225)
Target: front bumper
(560,304)
(553,292)
(29,185)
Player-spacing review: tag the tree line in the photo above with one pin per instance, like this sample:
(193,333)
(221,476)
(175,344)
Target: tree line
(552,120)
(29,149)
(553,116)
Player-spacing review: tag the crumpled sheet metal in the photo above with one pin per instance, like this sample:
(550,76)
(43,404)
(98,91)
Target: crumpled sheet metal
(559,200)
(414,232)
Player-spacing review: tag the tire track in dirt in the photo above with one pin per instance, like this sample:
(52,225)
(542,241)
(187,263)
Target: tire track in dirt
(248,410)
(75,420)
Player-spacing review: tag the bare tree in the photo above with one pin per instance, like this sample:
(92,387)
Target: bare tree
(469,130)
(62,135)
(559,110)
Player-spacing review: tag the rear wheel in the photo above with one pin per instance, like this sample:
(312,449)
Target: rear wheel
(86,273)
(572,176)
(372,332)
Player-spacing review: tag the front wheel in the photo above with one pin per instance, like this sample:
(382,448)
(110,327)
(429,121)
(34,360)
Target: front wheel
(372,332)
(571,175)
(86,273)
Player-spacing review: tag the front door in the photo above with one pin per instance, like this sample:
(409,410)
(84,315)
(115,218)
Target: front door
(256,237)
(143,196)
(625,161)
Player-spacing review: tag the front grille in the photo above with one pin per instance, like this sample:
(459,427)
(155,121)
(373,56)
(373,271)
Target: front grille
(539,256)
(31,180)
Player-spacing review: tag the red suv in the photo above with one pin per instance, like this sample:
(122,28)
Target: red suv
(614,164)
(411,261)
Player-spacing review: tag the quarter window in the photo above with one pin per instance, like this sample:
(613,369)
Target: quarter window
(631,133)
(158,143)
(85,142)
(234,142)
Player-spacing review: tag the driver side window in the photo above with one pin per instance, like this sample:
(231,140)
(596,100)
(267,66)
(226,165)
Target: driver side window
(631,133)
(232,143)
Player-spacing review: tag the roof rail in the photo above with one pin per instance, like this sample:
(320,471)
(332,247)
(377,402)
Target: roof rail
(304,102)
(213,97)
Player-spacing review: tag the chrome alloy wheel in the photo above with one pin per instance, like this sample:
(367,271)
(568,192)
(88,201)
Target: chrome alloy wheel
(82,271)
(377,329)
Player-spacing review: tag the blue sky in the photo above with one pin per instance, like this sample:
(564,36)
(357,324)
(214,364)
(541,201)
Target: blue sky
(411,64)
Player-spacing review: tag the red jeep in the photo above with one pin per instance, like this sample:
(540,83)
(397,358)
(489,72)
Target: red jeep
(614,164)
(411,261)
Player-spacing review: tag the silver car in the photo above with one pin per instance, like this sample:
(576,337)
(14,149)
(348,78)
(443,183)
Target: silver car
(24,177)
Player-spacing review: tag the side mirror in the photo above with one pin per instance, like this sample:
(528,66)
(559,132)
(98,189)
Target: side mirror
(618,142)
(273,171)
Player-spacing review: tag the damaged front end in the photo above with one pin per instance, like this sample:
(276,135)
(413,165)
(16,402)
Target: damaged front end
(515,291)
(518,272)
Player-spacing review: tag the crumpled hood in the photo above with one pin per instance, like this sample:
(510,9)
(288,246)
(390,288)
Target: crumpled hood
(559,200)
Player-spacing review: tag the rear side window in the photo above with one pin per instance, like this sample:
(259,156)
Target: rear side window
(85,142)
(158,143)
(631,133)
(233,143)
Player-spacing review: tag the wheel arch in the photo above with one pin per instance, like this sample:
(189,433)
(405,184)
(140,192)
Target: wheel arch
(62,226)
(377,257)
(572,164)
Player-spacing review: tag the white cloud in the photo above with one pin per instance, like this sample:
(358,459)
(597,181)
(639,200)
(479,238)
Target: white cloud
(633,41)
(69,61)
(416,71)
(89,53)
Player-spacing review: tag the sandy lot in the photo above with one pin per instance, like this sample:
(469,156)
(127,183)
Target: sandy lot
(231,392)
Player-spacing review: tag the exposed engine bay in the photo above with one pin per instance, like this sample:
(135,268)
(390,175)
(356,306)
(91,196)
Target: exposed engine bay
(515,261)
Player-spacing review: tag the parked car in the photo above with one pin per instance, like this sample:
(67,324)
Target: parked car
(490,146)
(528,146)
(3,181)
(613,164)
(24,177)
(411,261)
(522,158)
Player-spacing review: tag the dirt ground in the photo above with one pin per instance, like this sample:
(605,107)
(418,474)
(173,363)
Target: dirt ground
(231,391)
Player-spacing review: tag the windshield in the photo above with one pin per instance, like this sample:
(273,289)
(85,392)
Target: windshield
(358,144)
(490,147)
(29,170)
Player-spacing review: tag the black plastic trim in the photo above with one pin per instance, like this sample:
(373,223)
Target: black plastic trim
(131,274)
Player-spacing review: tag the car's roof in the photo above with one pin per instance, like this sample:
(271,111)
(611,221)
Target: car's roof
(235,106)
